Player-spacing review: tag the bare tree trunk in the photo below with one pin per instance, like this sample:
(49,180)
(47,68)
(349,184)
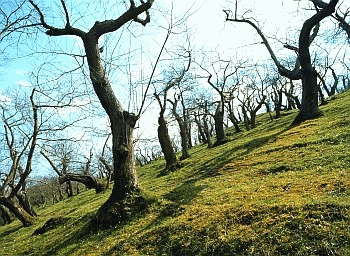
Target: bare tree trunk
(184,141)
(25,203)
(5,215)
(60,193)
(254,112)
(322,99)
(246,118)
(189,132)
(278,102)
(89,181)
(163,135)
(201,136)
(233,119)
(16,210)
(207,132)
(336,81)
(125,193)
(309,105)
(69,189)
(183,130)
(219,126)
(166,144)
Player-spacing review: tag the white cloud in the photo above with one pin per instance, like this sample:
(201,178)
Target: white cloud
(5,100)
(23,83)
(22,72)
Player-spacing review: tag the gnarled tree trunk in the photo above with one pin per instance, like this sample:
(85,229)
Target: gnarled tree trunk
(16,210)
(183,130)
(219,126)
(25,203)
(5,215)
(166,144)
(89,181)
(124,198)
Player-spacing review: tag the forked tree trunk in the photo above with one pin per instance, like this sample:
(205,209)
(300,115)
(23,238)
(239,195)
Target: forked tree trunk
(25,203)
(309,104)
(254,112)
(123,198)
(122,122)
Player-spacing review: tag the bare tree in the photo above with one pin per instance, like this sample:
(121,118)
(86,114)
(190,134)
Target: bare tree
(307,73)
(13,18)
(66,176)
(163,133)
(122,122)
(14,184)
(339,16)
(250,103)
(181,120)
(224,71)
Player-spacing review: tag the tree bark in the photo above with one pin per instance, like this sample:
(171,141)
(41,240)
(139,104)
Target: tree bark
(69,189)
(5,215)
(122,122)
(122,126)
(245,118)
(16,210)
(166,145)
(207,131)
(278,103)
(309,103)
(219,126)
(336,81)
(89,181)
(254,111)
(163,135)
(233,118)
(201,136)
(183,131)
(25,203)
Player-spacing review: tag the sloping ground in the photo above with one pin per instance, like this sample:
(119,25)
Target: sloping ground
(276,190)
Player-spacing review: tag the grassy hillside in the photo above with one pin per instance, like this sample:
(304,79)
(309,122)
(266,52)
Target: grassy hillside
(276,190)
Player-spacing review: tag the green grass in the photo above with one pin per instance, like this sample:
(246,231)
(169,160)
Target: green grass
(275,190)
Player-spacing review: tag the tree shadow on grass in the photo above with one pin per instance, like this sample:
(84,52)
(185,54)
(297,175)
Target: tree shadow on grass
(186,192)
(11,230)
(74,238)
(88,232)
(211,167)
(178,197)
